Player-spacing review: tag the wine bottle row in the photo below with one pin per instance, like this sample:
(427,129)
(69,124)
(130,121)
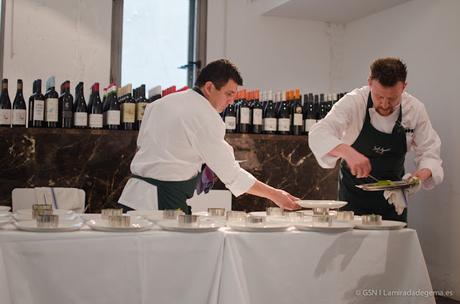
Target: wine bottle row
(119,109)
(277,113)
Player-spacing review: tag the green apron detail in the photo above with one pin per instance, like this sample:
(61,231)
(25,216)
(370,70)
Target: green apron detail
(173,194)
(386,152)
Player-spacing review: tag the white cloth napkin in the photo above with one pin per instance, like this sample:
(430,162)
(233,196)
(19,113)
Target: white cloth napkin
(398,198)
(61,198)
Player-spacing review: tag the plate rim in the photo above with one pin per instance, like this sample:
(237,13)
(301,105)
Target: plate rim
(19,226)
(177,228)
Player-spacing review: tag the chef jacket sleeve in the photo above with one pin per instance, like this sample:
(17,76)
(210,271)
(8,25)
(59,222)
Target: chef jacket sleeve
(206,135)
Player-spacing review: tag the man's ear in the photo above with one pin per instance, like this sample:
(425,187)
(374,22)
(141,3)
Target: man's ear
(208,87)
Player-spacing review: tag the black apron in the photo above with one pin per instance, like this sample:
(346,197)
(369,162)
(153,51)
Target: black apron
(173,194)
(386,153)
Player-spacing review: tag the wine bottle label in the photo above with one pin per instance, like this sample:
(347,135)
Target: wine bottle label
(5,116)
(128,111)
(309,123)
(67,114)
(113,117)
(95,121)
(269,124)
(257,117)
(19,117)
(244,115)
(284,124)
(81,119)
(39,110)
(230,122)
(298,119)
(140,110)
(51,110)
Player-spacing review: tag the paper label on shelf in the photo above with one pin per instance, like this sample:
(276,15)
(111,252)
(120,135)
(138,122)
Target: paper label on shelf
(230,122)
(257,117)
(244,115)
(5,116)
(95,121)
(270,124)
(113,117)
(19,117)
(39,110)
(284,124)
(81,119)
(52,110)
(298,119)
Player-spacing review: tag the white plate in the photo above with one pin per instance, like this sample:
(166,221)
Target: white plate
(5,215)
(4,209)
(258,213)
(321,204)
(63,226)
(4,221)
(26,214)
(386,225)
(201,227)
(264,227)
(89,216)
(336,227)
(137,224)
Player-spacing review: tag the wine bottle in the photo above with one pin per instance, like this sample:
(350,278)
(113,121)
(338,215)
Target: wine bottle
(270,119)
(257,114)
(37,106)
(244,115)
(230,117)
(284,116)
(95,108)
(141,103)
(296,114)
(308,112)
(5,106)
(80,110)
(66,105)
(51,104)
(127,107)
(19,107)
(113,109)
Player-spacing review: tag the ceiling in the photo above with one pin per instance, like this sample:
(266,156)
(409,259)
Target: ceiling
(334,11)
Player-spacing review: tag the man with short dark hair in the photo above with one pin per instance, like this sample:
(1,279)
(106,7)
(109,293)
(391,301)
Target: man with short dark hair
(370,129)
(179,134)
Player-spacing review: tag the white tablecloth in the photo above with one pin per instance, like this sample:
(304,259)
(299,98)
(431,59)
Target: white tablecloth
(218,267)
(96,267)
(305,267)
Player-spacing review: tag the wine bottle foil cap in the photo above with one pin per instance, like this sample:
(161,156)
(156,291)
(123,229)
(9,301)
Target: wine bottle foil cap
(155,91)
(95,87)
(50,83)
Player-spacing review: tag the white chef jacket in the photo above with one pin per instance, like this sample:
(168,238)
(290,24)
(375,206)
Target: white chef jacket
(179,133)
(345,121)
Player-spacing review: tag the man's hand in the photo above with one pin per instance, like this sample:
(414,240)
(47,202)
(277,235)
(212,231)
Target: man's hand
(285,200)
(422,174)
(282,198)
(359,165)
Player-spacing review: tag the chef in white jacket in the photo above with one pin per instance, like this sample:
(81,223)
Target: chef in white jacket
(179,134)
(370,130)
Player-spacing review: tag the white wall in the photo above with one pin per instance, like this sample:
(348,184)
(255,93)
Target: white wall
(271,53)
(425,34)
(69,39)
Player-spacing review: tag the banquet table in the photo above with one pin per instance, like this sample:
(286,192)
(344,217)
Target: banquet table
(214,267)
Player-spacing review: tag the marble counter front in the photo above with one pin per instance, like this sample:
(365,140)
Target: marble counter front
(98,162)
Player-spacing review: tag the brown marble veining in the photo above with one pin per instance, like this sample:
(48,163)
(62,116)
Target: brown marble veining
(98,162)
